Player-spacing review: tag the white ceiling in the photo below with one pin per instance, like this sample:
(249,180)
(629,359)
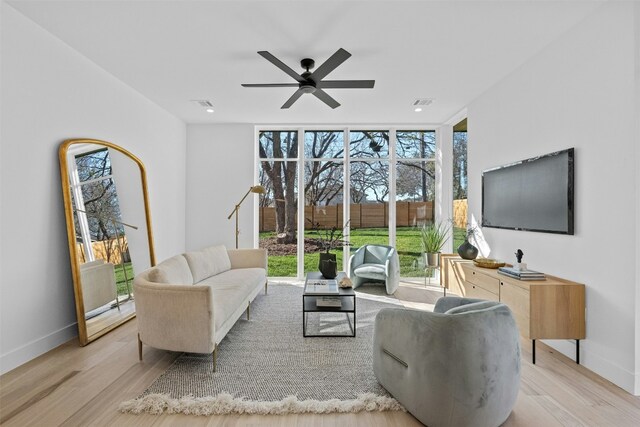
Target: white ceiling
(176,51)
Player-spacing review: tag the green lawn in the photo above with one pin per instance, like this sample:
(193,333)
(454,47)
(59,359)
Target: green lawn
(407,244)
(120,279)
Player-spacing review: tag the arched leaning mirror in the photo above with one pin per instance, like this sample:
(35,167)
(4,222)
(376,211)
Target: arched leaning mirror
(106,207)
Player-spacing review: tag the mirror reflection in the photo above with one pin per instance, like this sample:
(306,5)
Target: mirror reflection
(111,242)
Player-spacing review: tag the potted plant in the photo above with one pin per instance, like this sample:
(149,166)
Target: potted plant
(433,237)
(330,238)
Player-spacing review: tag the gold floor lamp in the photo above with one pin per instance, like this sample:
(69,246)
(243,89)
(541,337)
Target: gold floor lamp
(257,189)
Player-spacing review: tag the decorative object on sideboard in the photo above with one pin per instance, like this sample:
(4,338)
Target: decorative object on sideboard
(256,189)
(519,264)
(467,250)
(488,263)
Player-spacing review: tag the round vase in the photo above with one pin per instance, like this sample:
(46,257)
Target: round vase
(467,250)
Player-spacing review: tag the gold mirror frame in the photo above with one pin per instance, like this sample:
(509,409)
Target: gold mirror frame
(71,232)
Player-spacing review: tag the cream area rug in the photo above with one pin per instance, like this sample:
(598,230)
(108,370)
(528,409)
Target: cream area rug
(265,366)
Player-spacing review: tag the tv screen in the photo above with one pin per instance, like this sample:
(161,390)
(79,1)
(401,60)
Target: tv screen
(533,195)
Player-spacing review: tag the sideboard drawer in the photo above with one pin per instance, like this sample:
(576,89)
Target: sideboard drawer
(519,301)
(485,281)
(475,291)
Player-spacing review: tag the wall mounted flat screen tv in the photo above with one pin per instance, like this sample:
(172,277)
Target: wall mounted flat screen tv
(533,195)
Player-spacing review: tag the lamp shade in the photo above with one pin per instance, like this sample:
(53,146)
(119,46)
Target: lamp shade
(258,189)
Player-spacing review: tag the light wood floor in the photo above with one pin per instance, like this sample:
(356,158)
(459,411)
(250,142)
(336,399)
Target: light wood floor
(82,386)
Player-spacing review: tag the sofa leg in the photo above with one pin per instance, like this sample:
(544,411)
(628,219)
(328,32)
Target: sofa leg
(215,356)
(248,309)
(139,348)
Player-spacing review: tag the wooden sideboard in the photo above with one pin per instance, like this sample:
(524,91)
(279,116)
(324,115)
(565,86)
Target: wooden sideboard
(547,309)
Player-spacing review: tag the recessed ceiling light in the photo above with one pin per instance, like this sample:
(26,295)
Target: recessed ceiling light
(418,109)
(210,110)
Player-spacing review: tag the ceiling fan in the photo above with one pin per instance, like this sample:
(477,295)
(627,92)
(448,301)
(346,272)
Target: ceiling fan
(311,82)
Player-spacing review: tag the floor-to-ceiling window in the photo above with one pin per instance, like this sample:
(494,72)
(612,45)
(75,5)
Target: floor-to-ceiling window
(377,186)
(415,196)
(323,195)
(369,188)
(278,225)
(459,182)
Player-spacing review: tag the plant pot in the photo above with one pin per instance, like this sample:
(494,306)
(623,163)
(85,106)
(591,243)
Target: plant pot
(467,250)
(432,259)
(328,265)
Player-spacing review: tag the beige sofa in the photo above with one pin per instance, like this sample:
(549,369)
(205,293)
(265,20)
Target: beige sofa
(98,281)
(189,302)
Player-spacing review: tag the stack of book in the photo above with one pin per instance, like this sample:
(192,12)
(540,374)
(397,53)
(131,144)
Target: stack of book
(521,274)
(328,302)
(321,287)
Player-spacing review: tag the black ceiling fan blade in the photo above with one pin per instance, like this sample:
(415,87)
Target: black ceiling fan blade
(297,94)
(284,67)
(270,85)
(346,84)
(330,64)
(324,97)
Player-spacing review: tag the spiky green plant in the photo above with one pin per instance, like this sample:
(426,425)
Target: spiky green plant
(433,236)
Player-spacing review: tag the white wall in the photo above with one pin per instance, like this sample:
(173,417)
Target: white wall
(578,92)
(51,93)
(221,170)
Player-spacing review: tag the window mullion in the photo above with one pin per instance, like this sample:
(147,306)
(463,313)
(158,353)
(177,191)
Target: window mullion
(346,202)
(301,202)
(392,187)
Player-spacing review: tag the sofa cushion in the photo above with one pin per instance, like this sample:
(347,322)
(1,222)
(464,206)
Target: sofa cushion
(174,271)
(208,262)
(246,279)
(225,302)
(371,271)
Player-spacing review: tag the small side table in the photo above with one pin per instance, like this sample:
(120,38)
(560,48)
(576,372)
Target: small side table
(347,304)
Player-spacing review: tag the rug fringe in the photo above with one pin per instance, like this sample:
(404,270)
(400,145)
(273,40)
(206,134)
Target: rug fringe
(225,403)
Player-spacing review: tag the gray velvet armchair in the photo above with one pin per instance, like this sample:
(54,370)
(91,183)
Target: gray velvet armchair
(458,366)
(375,263)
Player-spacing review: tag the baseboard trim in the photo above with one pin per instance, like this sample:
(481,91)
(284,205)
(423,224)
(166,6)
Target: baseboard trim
(626,380)
(29,351)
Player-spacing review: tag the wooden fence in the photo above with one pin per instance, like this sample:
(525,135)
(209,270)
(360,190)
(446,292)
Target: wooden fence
(107,250)
(460,213)
(368,215)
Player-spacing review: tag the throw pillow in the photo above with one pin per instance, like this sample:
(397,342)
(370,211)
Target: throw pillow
(173,271)
(208,262)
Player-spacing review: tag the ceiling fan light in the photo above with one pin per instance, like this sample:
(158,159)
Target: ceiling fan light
(307,88)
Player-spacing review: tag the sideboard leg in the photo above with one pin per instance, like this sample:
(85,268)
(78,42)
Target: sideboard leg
(578,352)
(533,347)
